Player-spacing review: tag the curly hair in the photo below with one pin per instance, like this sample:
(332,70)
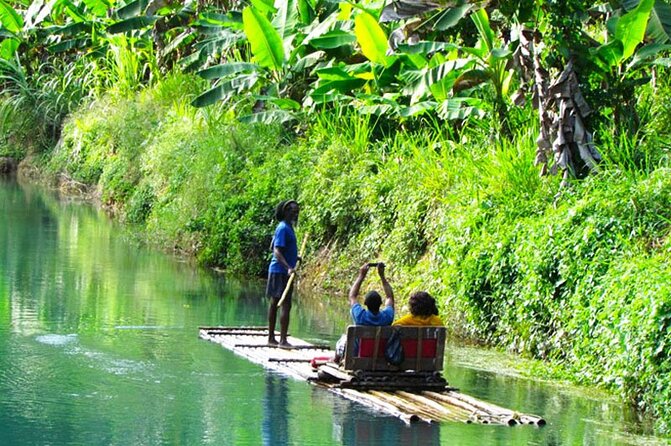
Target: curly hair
(422,304)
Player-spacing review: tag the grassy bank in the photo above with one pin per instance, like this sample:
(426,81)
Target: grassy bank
(579,278)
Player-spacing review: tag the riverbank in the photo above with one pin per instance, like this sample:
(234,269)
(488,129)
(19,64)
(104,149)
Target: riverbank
(579,278)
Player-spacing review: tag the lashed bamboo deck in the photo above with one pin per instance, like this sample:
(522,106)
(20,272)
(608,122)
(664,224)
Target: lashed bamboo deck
(448,405)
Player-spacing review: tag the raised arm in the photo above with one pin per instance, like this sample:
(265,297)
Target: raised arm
(388,292)
(354,291)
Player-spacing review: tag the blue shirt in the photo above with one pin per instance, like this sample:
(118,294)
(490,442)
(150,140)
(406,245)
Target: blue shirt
(285,239)
(361,316)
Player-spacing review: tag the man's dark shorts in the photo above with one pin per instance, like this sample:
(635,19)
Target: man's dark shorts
(277,282)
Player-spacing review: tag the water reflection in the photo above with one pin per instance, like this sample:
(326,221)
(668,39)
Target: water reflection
(354,425)
(276,411)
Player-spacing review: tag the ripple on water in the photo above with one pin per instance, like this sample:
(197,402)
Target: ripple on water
(56,339)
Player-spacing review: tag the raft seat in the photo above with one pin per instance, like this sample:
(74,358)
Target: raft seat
(423,347)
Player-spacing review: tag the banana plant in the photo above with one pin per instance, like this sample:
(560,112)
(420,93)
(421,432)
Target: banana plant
(622,62)
(285,41)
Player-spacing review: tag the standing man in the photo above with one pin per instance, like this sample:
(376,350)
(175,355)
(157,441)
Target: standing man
(282,266)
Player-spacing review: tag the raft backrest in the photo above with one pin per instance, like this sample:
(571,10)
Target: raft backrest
(423,347)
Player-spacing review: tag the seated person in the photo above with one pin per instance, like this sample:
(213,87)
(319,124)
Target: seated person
(423,311)
(371,315)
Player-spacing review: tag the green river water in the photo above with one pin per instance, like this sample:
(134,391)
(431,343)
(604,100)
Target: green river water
(99,346)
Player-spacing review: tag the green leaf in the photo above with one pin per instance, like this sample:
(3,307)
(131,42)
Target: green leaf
(631,27)
(646,53)
(268,117)
(333,74)
(9,18)
(371,38)
(417,109)
(232,19)
(8,48)
(286,18)
(306,11)
(97,7)
(225,90)
(264,6)
(342,86)
(610,54)
(333,39)
(659,25)
(132,9)
(69,30)
(460,109)
(219,71)
(283,103)
(425,47)
(264,40)
(309,61)
(132,24)
(68,45)
(332,96)
(481,21)
(451,17)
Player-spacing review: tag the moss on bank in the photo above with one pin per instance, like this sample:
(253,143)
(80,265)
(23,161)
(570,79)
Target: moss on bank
(581,280)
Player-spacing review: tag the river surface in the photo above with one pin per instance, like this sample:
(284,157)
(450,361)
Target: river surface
(99,346)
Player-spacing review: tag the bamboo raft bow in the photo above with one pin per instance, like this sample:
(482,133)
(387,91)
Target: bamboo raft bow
(410,406)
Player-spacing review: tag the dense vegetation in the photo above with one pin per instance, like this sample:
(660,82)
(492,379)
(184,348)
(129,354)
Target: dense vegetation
(423,156)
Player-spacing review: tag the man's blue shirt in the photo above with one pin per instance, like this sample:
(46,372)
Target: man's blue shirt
(285,239)
(361,316)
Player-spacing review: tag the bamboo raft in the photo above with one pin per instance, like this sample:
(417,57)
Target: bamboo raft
(410,406)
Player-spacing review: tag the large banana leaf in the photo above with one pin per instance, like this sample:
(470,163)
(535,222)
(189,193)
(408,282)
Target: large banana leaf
(232,19)
(223,70)
(286,18)
(97,7)
(264,40)
(69,30)
(132,9)
(631,27)
(659,25)
(332,39)
(452,16)
(132,24)
(425,47)
(372,39)
(68,45)
(226,89)
(646,53)
(458,109)
(268,117)
(8,48)
(9,18)
(417,109)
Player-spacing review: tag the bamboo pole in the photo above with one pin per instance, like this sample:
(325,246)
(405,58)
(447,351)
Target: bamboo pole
(377,403)
(428,414)
(459,412)
(502,411)
(291,278)
(455,402)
